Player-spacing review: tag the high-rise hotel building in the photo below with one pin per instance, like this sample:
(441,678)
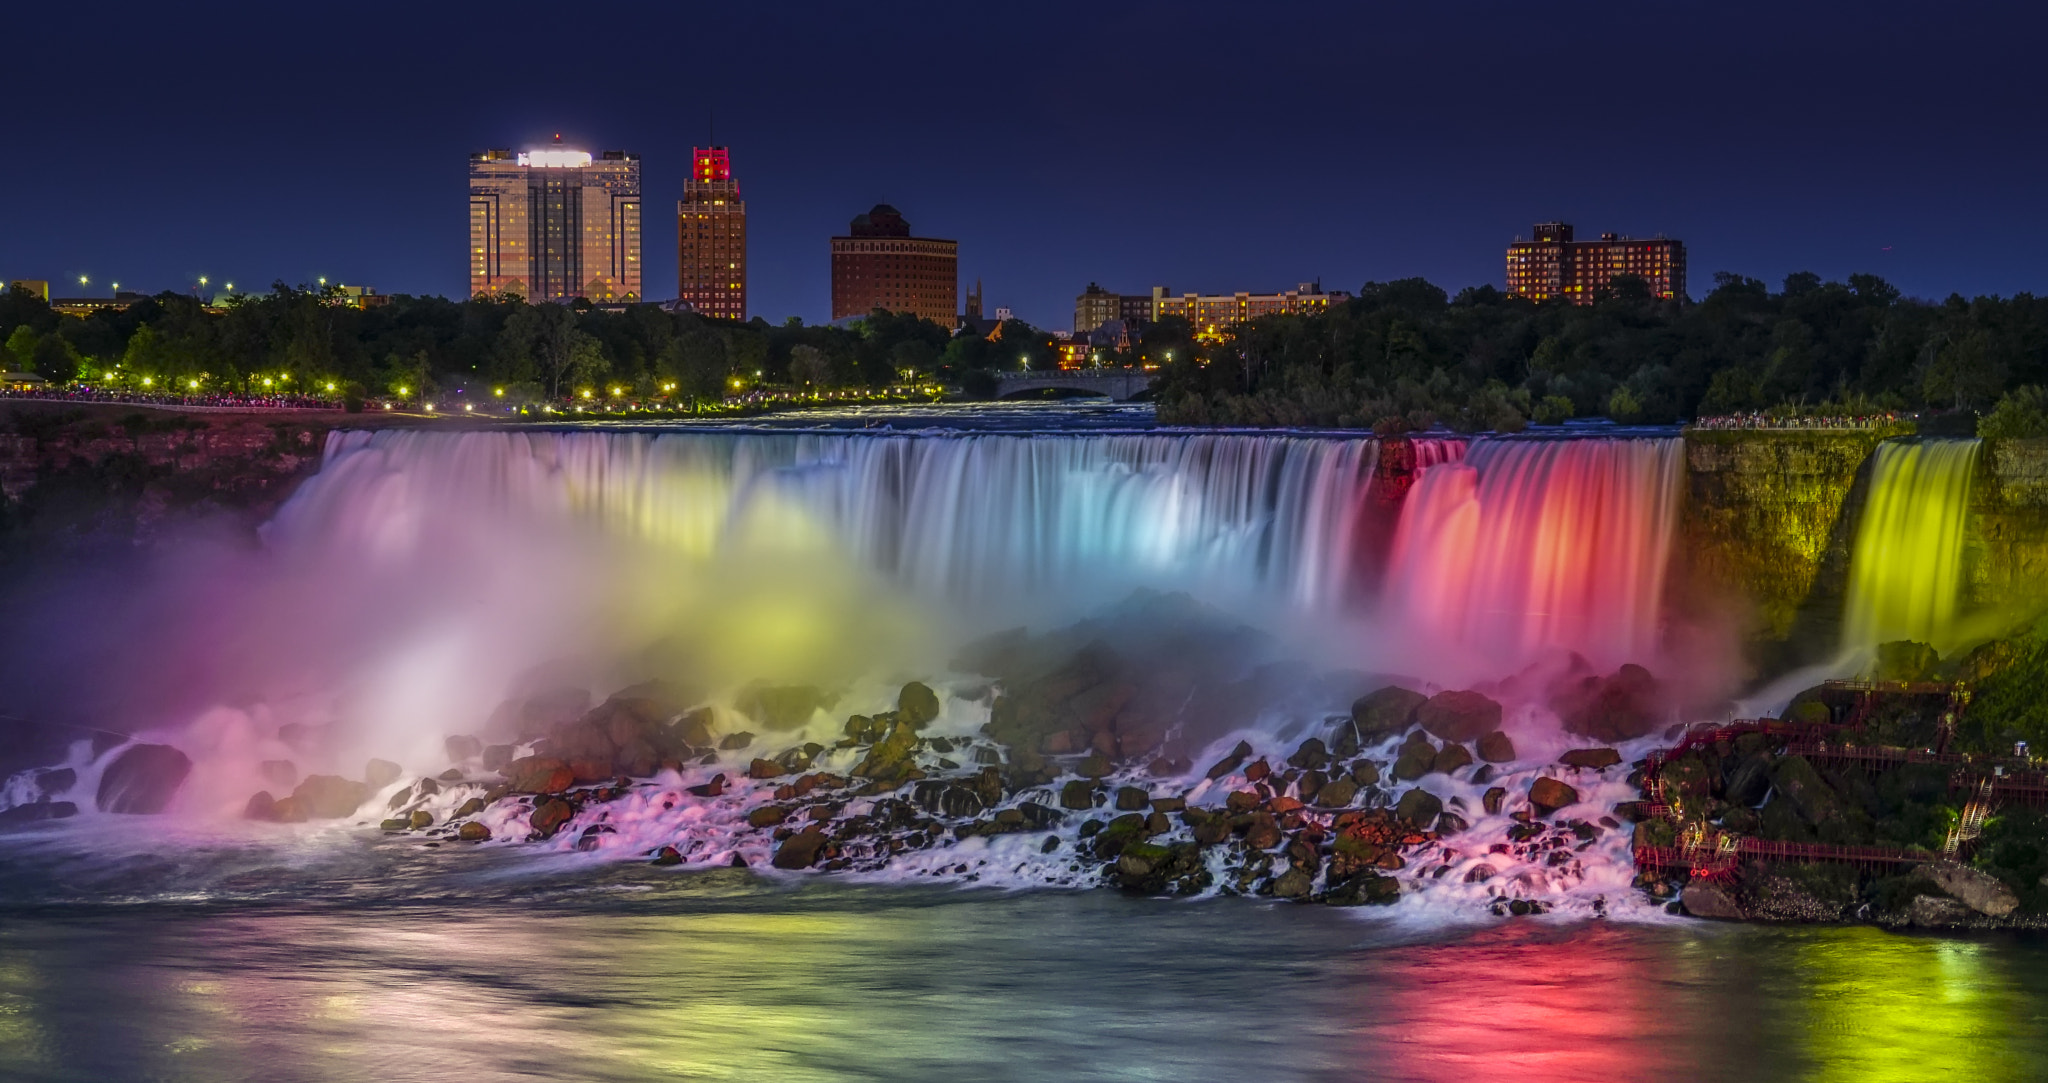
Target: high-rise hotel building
(880,265)
(1553,267)
(711,238)
(555,224)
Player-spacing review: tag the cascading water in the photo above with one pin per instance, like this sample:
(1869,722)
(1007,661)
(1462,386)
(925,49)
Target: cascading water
(1907,564)
(1528,546)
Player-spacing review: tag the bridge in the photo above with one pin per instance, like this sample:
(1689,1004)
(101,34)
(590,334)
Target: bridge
(1120,384)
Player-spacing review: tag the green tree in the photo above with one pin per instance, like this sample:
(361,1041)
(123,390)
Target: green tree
(55,360)
(2021,415)
(21,348)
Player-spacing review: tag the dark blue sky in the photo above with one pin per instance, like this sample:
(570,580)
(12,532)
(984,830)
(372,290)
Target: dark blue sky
(1202,146)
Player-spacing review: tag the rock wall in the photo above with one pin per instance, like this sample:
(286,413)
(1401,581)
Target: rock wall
(2006,559)
(1764,522)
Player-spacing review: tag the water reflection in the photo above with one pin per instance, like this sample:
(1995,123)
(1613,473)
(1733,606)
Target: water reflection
(731,980)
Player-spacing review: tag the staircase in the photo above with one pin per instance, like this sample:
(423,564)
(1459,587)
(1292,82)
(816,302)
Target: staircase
(1970,824)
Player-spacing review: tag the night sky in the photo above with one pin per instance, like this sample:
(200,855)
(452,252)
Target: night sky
(1202,146)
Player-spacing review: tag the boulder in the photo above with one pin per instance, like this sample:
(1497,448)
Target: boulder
(1293,884)
(1796,781)
(422,819)
(761,769)
(142,779)
(549,816)
(1593,758)
(1622,707)
(1419,807)
(1132,799)
(329,797)
(1385,713)
(59,781)
(1311,756)
(1707,899)
(282,774)
(1976,889)
(1450,758)
(1904,660)
(261,806)
(36,812)
(1493,799)
(394,823)
(1337,794)
(470,807)
(1750,782)
(473,832)
(1229,764)
(1458,716)
(917,704)
(1937,912)
(1416,757)
(497,757)
(461,747)
(1496,747)
(667,856)
(1364,889)
(800,851)
(539,774)
(378,774)
(781,708)
(1547,795)
(1078,795)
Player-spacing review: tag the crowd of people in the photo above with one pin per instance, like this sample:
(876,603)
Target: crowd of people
(217,400)
(1761,420)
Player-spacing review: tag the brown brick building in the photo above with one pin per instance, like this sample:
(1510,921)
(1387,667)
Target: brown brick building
(880,265)
(711,238)
(1553,267)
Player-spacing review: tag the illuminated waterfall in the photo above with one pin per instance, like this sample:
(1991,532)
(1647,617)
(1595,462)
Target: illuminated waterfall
(1907,564)
(1529,546)
(972,517)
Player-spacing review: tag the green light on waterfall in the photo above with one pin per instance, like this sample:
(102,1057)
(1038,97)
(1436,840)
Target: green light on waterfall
(1907,566)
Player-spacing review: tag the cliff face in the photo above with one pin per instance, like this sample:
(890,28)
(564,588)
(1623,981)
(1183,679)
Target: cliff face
(2006,565)
(72,476)
(1764,520)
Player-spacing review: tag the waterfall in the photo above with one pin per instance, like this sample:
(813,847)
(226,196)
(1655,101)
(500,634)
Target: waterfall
(1528,546)
(970,517)
(1501,552)
(1907,564)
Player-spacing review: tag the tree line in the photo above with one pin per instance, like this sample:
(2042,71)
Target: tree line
(1405,354)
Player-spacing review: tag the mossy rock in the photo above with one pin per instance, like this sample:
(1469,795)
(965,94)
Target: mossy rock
(1385,713)
(1904,660)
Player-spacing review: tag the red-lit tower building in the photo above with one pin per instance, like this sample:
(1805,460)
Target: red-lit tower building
(711,238)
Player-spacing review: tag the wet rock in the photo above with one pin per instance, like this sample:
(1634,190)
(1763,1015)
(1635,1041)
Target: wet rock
(1365,773)
(760,769)
(1621,707)
(713,788)
(735,741)
(1337,794)
(1169,804)
(1364,889)
(1591,758)
(421,820)
(539,774)
(1293,884)
(590,839)
(289,810)
(1094,767)
(1634,812)
(1497,747)
(261,806)
(1078,795)
(1547,795)
(800,851)
(330,797)
(1450,823)
(1229,764)
(50,783)
(1052,842)
(1132,799)
(891,757)
(1415,759)
(1419,806)
(1264,832)
(1310,784)
(36,812)
(378,774)
(282,774)
(1385,713)
(1904,660)
(1937,912)
(1458,716)
(450,775)
(1707,899)
(667,857)
(781,708)
(1976,889)
(1450,758)
(1480,874)
(142,779)
(497,757)
(1482,776)
(1258,771)
(767,816)
(394,823)
(1749,782)
(462,747)
(917,704)
(1242,800)
(1311,756)
(471,807)
(549,816)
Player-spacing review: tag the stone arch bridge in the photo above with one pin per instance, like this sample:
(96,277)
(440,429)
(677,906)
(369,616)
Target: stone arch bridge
(1120,384)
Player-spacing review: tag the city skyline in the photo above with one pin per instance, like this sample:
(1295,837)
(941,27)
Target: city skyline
(1407,165)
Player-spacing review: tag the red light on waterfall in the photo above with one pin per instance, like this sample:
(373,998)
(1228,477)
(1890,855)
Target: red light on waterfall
(713,163)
